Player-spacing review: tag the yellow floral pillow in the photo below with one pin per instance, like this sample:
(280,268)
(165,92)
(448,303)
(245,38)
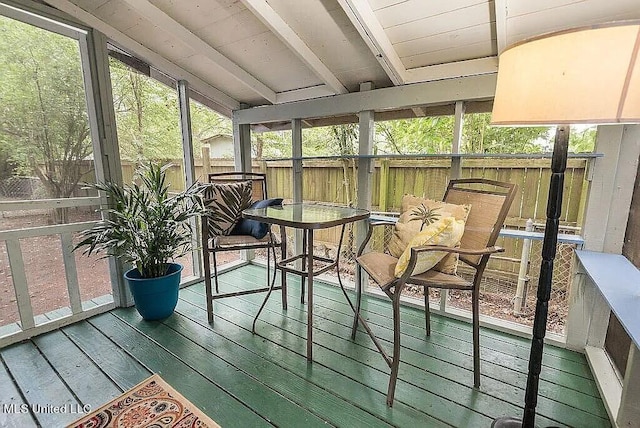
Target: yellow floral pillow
(447,232)
(418,211)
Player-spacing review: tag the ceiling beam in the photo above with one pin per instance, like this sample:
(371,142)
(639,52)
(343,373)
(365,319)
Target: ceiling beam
(170,25)
(500,8)
(471,88)
(419,111)
(226,102)
(269,17)
(371,31)
(304,94)
(452,70)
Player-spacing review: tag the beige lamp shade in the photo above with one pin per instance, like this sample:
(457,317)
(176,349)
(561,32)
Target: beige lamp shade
(587,75)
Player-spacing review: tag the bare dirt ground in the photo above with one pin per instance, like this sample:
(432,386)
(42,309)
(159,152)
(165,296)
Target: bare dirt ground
(45,271)
(494,304)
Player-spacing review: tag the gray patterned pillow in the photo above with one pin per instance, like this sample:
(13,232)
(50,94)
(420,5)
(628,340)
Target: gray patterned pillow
(226,202)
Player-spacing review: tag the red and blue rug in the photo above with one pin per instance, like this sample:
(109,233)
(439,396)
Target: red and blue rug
(151,403)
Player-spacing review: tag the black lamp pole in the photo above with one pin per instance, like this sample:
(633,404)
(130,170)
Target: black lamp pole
(554,209)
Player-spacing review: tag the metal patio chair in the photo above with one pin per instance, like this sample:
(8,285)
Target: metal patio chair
(213,244)
(490,202)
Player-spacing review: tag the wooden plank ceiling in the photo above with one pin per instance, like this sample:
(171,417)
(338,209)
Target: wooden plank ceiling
(260,52)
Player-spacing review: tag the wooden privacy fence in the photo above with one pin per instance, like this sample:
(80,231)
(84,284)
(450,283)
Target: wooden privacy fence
(428,177)
(330,181)
(333,181)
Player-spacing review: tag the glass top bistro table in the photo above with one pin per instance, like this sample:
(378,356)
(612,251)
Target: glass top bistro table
(306,217)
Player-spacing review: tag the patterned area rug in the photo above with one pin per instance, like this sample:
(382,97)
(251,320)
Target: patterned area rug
(152,403)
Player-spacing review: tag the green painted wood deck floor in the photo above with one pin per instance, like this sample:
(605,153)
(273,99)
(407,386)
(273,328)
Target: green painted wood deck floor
(246,380)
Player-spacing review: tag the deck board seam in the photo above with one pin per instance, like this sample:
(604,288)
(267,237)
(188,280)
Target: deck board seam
(78,343)
(523,359)
(368,365)
(459,325)
(551,399)
(55,370)
(199,372)
(302,356)
(418,386)
(83,351)
(205,375)
(320,386)
(18,389)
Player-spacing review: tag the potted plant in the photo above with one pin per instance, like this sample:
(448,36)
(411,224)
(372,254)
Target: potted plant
(147,227)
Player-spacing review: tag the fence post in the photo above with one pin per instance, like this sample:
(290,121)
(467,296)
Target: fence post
(522,274)
(378,237)
(206,162)
(384,184)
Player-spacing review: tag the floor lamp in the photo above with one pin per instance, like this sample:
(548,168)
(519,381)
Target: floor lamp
(585,75)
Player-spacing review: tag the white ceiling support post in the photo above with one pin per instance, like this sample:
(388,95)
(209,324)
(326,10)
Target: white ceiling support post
(296,154)
(456,161)
(269,17)
(366,166)
(242,159)
(102,119)
(241,144)
(189,167)
(609,197)
(366,130)
(455,172)
(185,129)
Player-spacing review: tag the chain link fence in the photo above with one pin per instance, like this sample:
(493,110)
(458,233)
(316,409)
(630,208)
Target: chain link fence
(563,269)
(17,187)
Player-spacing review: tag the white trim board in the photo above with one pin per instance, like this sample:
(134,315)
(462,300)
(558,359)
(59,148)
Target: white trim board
(478,87)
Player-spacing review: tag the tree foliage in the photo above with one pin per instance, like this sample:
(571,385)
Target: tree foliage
(582,140)
(425,135)
(271,145)
(44,127)
(422,135)
(148,117)
(480,137)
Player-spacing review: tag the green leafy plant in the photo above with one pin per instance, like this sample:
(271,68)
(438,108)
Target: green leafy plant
(425,215)
(144,224)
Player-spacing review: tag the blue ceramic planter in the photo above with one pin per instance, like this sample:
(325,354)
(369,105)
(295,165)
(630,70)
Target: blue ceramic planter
(155,298)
